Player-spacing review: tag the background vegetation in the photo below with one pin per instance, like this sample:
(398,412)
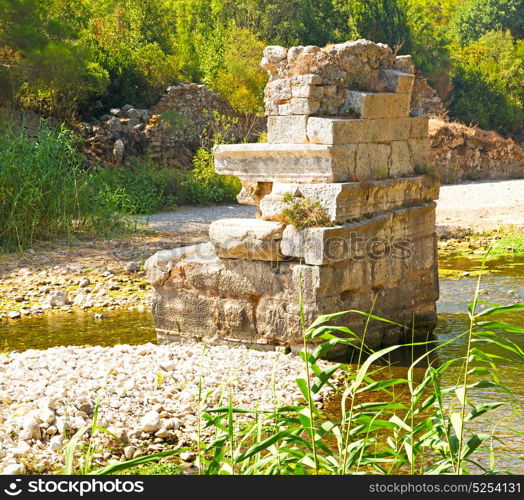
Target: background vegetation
(47,192)
(78,59)
(72,61)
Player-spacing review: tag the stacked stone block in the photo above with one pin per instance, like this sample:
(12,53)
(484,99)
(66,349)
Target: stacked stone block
(339,133)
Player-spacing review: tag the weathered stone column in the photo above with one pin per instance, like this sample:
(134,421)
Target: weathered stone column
(341,136)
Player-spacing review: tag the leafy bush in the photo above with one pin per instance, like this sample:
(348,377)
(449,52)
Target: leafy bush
(474,18)
(382,21)
(238,75)
(487,79)
(204,185)
(148,188)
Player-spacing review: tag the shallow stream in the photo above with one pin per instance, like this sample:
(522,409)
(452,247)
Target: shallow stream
(503,283)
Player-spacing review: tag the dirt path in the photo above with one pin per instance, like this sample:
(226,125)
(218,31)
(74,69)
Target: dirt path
(481,206)
(477,207)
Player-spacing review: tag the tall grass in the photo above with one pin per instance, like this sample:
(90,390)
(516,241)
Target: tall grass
(45,191)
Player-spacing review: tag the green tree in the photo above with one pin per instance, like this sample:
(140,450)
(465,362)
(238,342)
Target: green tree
(382,21)
(476,17)
(487,79)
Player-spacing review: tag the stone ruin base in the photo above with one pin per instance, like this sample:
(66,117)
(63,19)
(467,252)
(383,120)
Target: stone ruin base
(201,296)
(342,139)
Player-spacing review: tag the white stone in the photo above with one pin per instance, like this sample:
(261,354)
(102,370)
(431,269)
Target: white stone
(150,422)
(169,365)
(287,129)
(132,267)
(252,239)
(58,298)
(46,415)
(286,162)
(56,443)
(275,53)
(173,423)
(30,428)
(14,469)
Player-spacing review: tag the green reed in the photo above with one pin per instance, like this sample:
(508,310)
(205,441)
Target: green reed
(45,190)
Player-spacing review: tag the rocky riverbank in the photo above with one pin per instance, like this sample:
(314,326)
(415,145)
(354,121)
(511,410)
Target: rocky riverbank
(147,396)
(29,291)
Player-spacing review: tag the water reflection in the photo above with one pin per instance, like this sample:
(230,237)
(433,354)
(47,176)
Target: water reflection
(42,332)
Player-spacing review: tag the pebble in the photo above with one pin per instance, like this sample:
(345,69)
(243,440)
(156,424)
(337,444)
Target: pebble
(14,315)
(150,422)
(48,392)
(14,469)
(187,456)
(55,299)
(132,267)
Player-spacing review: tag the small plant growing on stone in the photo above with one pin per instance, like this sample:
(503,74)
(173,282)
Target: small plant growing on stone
(303,212)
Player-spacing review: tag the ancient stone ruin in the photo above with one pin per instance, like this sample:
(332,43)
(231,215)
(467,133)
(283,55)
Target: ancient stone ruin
(341,140)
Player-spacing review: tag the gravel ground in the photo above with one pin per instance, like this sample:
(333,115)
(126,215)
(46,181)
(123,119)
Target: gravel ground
(195,219)
(481,206)
(147,396)
(476,206)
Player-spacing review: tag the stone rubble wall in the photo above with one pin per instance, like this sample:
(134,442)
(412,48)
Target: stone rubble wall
(340,133)
(128,131)
(116,135)
(462,153)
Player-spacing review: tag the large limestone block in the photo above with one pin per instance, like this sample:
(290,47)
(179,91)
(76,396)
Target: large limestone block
(372,161)
(401,164)
(397,81)
(321,130)
(390,129)
(419,127)
(419,149)
(346,201)
(251,239)
(287,129)
(286,162)
(329,245)
(370,105)
(158,267)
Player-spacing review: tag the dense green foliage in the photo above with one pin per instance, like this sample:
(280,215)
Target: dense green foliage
(69,59)
(47,192)
(476,17)
(487,79)
(44,192)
